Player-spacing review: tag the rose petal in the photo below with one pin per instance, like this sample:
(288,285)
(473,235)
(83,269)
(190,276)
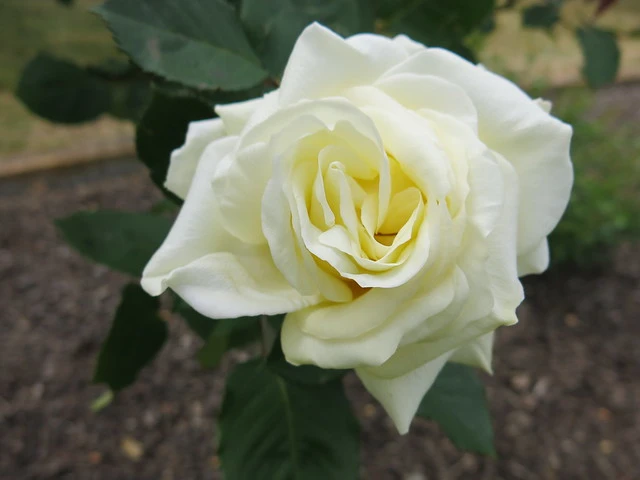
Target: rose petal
(401,396)
(184,160)
(534,261)
(323,64)
(217,275)
(535,143)
(236,115)
(476,353)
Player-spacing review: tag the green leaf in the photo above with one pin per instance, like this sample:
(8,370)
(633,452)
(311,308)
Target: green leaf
(219,335)
(201,325)
(213,350)
(274,26)
(541,16)
(385,9)
(302,374)
(163,128)
(61,91)
(124,241)
(457,402)
(271,429)
(601,56)
(198,43)
(227,334)
(441,23)
(130,99)
(136,336)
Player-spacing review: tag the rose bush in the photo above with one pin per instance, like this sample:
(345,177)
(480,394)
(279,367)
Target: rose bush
(387,196)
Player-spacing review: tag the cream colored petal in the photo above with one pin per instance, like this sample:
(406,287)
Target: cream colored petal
(377,322)
(534,261)
(239,184)
(430,92)
(244,282)
(382,51)
(322,64)
(215,273)
(401,396)
(184,160)
(413,355)
(477,353)
(409,46)
(236,115)
(502,262)
(515,126)
(411,141)
(544,104)
(281,223)
(190,237)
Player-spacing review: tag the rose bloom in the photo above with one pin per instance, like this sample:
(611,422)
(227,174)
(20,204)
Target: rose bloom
(386,197)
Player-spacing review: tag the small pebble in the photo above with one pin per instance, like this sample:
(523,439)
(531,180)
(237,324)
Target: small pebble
(521,382)
(132,448)
(606,446)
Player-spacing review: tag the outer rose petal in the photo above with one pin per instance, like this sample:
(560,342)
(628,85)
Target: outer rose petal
(379,320)
(476,353)
(323,64)
(401,396)
(512,124)
(184,160)
(383,51)
(236,115)
(217,275)
(534,261)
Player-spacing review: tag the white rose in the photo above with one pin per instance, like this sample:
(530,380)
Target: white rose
(386,197)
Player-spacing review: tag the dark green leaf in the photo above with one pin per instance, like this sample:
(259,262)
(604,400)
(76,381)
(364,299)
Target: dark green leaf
(213,350)
(303,374)
(240,330)
(164,206)
(116,68)
(124,241)
(458,403)
(201,325)
(219,335)
(130,99)
(441,23)
(136,336)
(387,8)
(601,56)
(227,334)
(66,3)
(271,429)
(274,26)
(541,16)
(199,43)
(163,128)
(130,87)
(61,91)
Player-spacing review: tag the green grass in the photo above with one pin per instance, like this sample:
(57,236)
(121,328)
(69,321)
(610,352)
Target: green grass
(30,26)
(605,205)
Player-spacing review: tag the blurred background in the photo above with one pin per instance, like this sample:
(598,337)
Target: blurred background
(566,388)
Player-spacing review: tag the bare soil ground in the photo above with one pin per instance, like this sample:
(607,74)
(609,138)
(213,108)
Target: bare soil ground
(565,394)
